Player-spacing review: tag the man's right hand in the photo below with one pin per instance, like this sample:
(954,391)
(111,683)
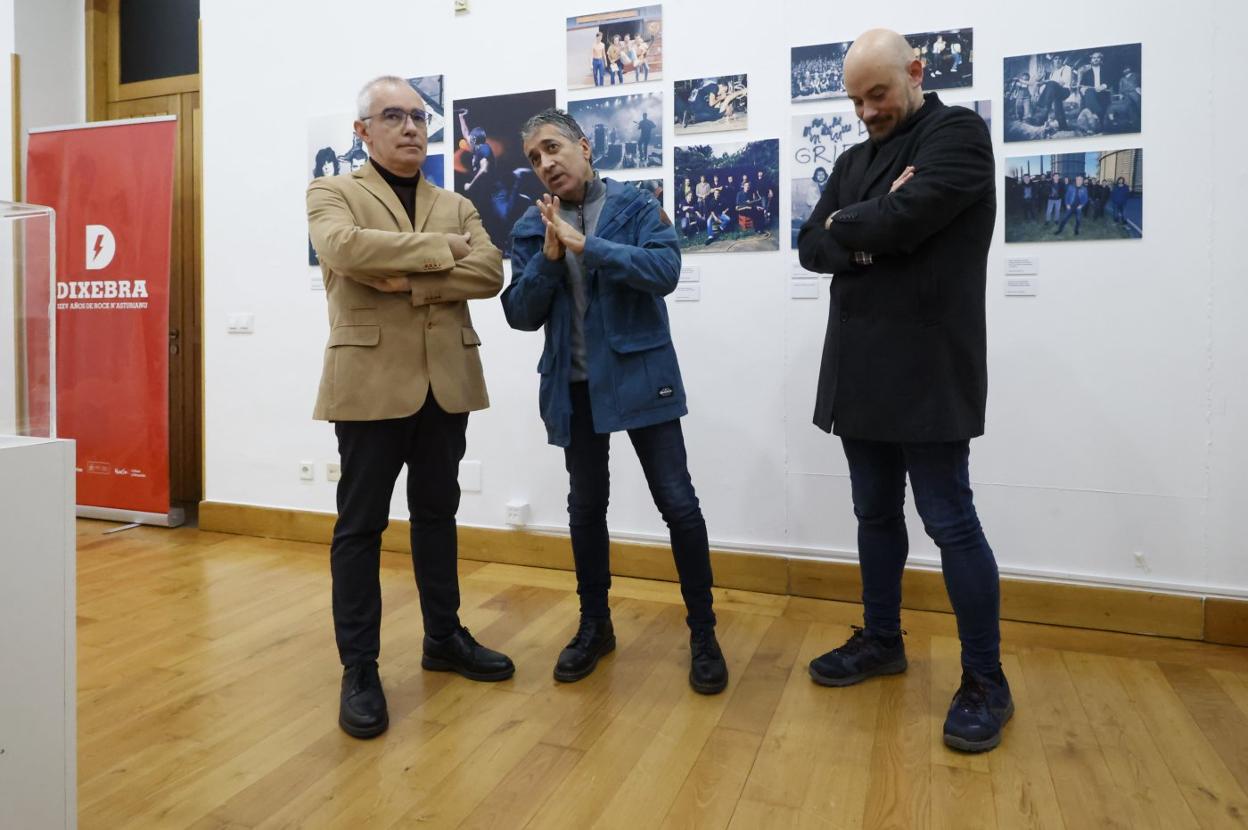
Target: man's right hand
(459,243)
(552,247)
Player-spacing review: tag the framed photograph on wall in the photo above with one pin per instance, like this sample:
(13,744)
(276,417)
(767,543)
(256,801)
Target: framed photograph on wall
(818,140)
(1073,94)
(432,89)
(615,48)
(727,197)
(624,131)
(1075,197)
(714,104)
(489,163)
(948,58)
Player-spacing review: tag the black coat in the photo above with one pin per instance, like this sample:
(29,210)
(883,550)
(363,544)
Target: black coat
(904,358)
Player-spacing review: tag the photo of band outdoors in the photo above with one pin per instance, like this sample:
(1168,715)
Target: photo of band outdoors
(705,105)
(625,132)
(1075,197)
(947,56)
(615,48)
(490,167)
(727,197)
(1082,92)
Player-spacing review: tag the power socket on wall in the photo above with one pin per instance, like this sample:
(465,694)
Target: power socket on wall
(307,471)
(333,471)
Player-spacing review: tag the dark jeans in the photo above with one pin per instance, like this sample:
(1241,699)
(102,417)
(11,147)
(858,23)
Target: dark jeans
(661,451)
(940,479)
(1076,212)
(431,444)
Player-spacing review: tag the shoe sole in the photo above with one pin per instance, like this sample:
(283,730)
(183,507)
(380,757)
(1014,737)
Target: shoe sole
(572,677)
(707,688)
(436,664)
(364,734)
(963,745)
(895,667)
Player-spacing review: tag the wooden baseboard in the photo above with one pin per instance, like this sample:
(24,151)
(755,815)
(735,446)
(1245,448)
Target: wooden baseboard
(1132,611)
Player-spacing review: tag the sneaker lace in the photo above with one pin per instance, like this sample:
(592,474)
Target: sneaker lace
(856,642)
(971,694)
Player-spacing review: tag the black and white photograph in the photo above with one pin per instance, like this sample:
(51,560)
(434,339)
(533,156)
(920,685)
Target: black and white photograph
(615,48)
(1075,196)
(817,142)
(432,89)
(714,104)
(948,58)
(726,197)
(817,72)
(983,109)
(489,162)
(625,132)
(1072,94)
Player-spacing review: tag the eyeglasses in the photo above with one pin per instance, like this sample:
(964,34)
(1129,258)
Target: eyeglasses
(396,118)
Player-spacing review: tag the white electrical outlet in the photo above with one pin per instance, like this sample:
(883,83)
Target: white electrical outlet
(461,6)
(307,471)
(333,471)
(239,323)
(517,514)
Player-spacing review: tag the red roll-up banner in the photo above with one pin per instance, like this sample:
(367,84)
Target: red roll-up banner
(111,184)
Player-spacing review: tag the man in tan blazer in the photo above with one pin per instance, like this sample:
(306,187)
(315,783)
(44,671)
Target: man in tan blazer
(400,258)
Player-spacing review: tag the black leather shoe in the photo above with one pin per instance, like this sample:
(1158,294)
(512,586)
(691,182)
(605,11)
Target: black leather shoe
(362,707)
(594,638)
(460,653)
(863,655)
(708,673)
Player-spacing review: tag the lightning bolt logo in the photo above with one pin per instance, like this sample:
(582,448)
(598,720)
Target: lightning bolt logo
(99,244)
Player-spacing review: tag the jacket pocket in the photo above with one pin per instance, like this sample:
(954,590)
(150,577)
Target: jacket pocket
(353,335)
(645,377)
(471,338)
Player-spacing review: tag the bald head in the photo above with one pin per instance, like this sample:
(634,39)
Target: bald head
(884,80)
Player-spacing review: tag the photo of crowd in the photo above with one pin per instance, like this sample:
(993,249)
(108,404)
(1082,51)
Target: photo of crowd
(727,197)
(818,141)
(1075,196)
(625,132)
(704,105)
(1071,94)
(490,166)
(817,72)
(615,48)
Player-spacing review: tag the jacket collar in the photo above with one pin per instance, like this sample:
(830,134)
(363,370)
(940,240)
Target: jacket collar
(371,180)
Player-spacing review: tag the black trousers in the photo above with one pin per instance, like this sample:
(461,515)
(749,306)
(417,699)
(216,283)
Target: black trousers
(431,443)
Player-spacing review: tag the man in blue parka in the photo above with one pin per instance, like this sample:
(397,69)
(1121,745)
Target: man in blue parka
(591,264)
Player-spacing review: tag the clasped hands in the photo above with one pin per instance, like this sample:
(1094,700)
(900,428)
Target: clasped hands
(460,245)
(560,236)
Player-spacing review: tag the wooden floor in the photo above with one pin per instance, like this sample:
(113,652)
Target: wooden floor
(208,693)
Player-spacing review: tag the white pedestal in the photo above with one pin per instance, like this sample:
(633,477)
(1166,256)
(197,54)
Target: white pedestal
(38,676)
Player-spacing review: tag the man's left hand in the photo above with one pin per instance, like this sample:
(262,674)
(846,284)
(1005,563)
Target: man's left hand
(571,238)
(906,175)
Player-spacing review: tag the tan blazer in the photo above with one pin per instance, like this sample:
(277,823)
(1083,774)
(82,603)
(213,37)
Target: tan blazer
(386,350)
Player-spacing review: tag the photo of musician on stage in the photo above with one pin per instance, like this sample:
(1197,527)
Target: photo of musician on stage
(489,162)
(705,105)
(625,131)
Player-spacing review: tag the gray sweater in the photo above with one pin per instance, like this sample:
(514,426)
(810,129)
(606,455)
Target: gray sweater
(583,217)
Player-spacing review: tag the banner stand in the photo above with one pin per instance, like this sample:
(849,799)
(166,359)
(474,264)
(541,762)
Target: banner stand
(176,517)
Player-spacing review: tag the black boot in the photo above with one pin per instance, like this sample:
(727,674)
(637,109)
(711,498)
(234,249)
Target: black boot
(460,653)
(594,638)
(708,673)
(362,707)
(863,655)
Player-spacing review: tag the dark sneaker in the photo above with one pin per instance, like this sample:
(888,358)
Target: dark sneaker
(362,705)
(594,638)
(460,653)
(708,673)
(979,712)
(863,655)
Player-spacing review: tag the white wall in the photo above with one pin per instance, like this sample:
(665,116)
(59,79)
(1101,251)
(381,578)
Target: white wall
(51,40)
(1112,424)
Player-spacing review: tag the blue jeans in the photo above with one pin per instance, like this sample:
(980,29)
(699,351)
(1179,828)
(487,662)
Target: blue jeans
(661,451)
(940,478)
(600,71)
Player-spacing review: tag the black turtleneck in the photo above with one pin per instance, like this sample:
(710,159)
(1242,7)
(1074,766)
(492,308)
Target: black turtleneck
(403,186)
